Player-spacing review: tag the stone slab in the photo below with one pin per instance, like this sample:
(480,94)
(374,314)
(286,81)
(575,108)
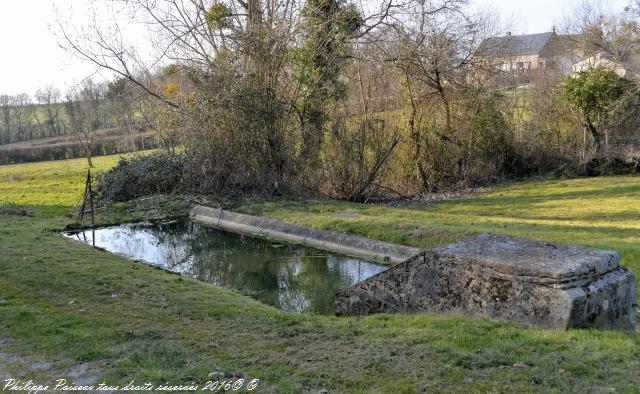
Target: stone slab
(504,278)
(561,266)
(331,241)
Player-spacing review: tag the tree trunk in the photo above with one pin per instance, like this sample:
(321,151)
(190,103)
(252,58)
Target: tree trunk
(87,152)
(597,137)
(416,138)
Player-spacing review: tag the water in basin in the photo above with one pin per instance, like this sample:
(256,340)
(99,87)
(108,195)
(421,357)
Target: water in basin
(291,278)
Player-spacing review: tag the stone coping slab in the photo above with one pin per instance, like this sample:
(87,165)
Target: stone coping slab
(562,266)
(331,241)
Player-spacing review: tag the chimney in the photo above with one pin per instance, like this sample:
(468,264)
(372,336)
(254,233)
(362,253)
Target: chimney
(553,29)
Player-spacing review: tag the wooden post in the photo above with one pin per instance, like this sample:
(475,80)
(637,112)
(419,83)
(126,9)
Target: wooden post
(88,199)
(93,208)
(84,197)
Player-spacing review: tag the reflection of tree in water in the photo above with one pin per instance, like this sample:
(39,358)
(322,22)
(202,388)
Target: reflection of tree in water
(172,240)
(290,278)
(236,262)
(290,295)
(140,242)
(319,282)
(277,275)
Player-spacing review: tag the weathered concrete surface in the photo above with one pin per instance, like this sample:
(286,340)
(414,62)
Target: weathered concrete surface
(320,239)
(504,278)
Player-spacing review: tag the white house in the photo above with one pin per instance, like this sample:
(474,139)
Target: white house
(600,60)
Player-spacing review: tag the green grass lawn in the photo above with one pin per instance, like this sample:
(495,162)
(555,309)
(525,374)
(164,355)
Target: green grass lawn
(68,303)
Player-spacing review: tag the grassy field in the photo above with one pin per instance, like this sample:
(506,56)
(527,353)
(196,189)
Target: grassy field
(73,305)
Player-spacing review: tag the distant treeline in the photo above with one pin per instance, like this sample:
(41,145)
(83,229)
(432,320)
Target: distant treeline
(92,118)
(108,142)
(23,119)
(50,114)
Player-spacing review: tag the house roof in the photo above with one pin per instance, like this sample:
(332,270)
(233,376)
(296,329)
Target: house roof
(511,45)
(575,43)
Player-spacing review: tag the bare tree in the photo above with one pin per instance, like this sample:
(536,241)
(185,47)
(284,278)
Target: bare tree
(188,33)
(256,86)
(85,108)
(194,34)
(18,114)
(122,99)
(23,117)
(50,100)
(438,56)
(599,29)
(7,111)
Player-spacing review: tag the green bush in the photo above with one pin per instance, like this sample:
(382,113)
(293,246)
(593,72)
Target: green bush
(158,173)
(612,166)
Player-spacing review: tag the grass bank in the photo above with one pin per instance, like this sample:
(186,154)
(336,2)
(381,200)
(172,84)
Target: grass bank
(71,304)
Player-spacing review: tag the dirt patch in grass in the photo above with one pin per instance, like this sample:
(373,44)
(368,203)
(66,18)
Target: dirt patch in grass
(429,198)
(18,365)
(13,210)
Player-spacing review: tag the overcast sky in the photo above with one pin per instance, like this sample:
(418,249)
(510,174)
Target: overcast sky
(31,57)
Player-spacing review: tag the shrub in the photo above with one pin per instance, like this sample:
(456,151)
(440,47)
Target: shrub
(356,157)
(614,166)
(145,175)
